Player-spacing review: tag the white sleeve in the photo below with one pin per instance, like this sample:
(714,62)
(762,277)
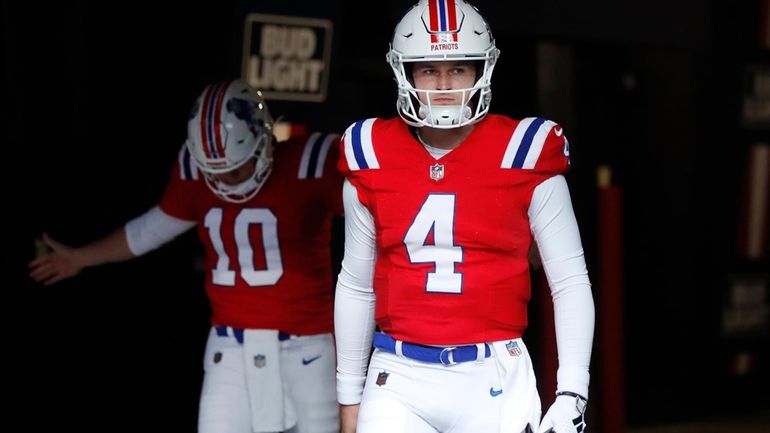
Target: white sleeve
(555,230)
(354,299)
(153,229)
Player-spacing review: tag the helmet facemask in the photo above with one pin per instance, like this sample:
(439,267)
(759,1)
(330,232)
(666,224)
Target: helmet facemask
(242,192)
(415,107)
(229,129)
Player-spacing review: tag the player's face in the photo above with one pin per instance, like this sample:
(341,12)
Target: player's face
(238,175)
(444,76)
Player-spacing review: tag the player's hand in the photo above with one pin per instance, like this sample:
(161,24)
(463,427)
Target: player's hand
(563,417)
(59,263)
(349,417)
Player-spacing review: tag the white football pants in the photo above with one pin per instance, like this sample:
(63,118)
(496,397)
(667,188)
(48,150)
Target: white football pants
(230,395)
(497,394)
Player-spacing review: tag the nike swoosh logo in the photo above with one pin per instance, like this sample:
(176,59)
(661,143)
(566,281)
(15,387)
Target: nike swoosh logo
(308,361)
(494,393)
(558,132)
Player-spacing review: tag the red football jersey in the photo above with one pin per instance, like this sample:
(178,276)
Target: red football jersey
(268,261)
(452,234)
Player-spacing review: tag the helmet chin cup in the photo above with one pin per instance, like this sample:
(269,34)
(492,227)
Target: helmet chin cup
(239,193)
(445,115)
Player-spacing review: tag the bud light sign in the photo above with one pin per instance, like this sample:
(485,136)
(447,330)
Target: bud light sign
(287,58)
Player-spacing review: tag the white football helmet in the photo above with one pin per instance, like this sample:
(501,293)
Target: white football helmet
(230,126)
(442,30)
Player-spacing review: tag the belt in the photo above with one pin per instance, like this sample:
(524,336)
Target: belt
(433,354)
(238,333)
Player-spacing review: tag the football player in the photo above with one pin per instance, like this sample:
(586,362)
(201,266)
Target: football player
(441,208)
(263,213)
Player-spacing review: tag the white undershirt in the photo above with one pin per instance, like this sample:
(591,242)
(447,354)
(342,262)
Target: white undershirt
(153,229)
(555,230)
(435,152)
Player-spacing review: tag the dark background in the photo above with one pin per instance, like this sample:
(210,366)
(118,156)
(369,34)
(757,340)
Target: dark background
(96,97)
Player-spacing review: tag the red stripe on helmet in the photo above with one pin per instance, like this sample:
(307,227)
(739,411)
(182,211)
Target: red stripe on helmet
(218,119)
(433,13)
(452,16)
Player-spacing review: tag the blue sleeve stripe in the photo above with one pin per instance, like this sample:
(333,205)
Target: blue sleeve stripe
(187,168)
(526,143)
(358,150)
(359,146)
(316,149)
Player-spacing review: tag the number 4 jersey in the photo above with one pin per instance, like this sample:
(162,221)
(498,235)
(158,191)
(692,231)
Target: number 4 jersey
(452,234)
(268,260)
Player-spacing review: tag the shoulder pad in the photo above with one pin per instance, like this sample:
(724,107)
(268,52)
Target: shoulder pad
(188,170)
(359,147)
(539,144)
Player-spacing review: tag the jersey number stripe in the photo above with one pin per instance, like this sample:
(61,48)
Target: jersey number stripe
(430,239)
(222,275)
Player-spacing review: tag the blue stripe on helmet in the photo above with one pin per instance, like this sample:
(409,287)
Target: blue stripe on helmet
(442,15)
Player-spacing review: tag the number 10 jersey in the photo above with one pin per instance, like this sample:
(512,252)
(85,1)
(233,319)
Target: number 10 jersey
(268,260)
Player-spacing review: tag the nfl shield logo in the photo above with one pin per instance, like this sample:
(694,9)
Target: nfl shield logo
(513,348)
(437,172)
(382,378)
(259,361)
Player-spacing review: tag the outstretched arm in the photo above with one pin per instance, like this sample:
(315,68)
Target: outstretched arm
(138,236)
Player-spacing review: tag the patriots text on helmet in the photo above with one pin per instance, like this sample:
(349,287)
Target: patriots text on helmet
(445,46)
